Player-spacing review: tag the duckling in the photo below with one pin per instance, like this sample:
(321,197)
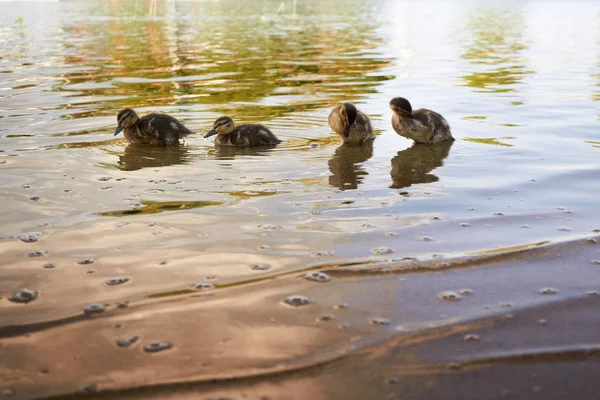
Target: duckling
(351,124)
(422,126)
(241,136)
(152,128)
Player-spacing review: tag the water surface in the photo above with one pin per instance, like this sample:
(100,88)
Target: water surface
(504,215)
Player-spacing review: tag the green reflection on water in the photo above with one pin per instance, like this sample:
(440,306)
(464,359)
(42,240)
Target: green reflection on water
(493,141)
(155,207)
(496,47)
(243,53)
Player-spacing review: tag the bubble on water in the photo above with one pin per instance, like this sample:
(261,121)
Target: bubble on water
(597,262)
(116,281)
(322,253)
(35,198)
(326,317)
(471,337)
(379,321)
(390,234)
(94,308)
(392,381)
(270,227)
(155,347)
(88,388)
(465,292)
(23,296)
(542,321)
(449,296)
(29,237)
(426,238)
(49,266)
(381,250)
(127,341)
(85,261)
(204,286)
(104,178)
(548,290)
(563,229)
(298,300)
(36,253)
(264,247)
(454,365)
(465,224)
(317,276)
(260,267)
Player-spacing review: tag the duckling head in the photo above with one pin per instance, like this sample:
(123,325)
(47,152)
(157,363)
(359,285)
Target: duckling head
(401,106)
(348,116)
(125,119)
(222,126)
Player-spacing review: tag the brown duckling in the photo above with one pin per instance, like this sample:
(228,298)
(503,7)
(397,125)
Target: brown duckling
(249,135)
(422,125)
(152,128)
(350,124)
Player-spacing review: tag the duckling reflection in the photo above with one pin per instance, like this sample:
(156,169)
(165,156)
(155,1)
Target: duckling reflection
(351,124)
(228,152)
(138,156)
(153,128)
(345,165)
(412,166)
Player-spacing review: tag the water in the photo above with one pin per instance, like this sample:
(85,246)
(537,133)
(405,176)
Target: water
(505,210)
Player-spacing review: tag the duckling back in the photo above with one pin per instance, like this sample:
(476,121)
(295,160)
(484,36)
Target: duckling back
(161,128)
(250,135)
(425,126)
(359,131)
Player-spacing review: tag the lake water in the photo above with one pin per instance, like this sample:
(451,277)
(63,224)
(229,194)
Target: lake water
(505,218)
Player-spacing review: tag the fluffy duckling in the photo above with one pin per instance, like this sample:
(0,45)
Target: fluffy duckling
(351,124)
(152,128)
(241,136)
(422,126)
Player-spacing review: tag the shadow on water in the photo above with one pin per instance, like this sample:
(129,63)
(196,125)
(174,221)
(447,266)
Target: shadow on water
(138,156)
(229,153)
(495,48)
(413,165)
(345,165)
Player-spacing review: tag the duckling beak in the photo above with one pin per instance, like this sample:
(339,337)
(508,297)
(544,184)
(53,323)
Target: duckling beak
(346,130)
(119,129)
(210,133)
